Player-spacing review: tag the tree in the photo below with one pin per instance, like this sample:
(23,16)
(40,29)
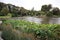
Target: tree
(2,5)
(46,8)
(4,11)
(23,11)
(49,7)
(55,11)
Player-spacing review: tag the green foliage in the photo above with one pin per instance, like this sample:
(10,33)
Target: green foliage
(9,14)
(56,11)
(40,31)
(49,14)
(46,7)
(11,34)
(15,11)
(46,10)
(4,17)
(4,11)
(1,5)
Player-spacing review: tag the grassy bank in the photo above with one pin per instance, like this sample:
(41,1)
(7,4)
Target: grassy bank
(24,30)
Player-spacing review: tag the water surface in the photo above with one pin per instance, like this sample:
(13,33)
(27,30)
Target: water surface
(39,20)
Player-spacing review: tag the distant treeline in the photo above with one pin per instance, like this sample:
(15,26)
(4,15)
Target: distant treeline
(15,11)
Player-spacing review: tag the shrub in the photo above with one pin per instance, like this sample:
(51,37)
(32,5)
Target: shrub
(12,34)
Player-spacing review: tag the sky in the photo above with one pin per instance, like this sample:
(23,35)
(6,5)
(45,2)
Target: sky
(29,4)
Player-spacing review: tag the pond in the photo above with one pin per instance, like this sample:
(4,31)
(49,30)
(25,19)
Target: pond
(39,20)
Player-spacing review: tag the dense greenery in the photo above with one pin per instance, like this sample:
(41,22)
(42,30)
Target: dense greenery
(15,11)
(20,29)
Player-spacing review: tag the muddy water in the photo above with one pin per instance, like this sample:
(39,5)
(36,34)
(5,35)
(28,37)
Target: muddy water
(39,20)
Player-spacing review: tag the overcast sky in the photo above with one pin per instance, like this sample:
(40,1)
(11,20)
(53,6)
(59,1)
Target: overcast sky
(29,4)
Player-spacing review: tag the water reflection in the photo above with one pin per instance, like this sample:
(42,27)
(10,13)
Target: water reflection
(33,19)
(54,21)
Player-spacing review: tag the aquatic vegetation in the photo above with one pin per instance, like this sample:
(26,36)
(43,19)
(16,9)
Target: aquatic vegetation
(40,31)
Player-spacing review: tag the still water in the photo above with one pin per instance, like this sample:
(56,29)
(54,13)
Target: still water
(39,20)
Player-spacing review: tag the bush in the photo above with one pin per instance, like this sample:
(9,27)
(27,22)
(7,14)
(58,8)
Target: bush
(12,34)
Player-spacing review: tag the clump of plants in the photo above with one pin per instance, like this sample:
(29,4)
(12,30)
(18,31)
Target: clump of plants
(9,33)
(36,31)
